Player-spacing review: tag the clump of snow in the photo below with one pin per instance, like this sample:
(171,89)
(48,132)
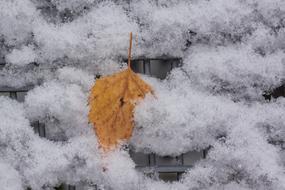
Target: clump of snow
(232,53)
(10,179)
(22,56)
(84,39)
(245,157)
(237,71)
(194,121)
(68,112)
(40,162)
(127,178)
(72,75)
(68,97)
(16,20)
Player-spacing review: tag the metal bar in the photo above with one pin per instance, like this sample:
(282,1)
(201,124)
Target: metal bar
(16,89)
(35,126)
(71,187)
(42,130)
(172,168)
(165,169)
(147,67)
(152,159)
(13,95)
(143,66)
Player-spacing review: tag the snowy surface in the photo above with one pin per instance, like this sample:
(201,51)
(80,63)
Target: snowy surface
(232,52)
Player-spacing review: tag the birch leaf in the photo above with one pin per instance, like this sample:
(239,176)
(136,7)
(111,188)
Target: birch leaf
(112,101)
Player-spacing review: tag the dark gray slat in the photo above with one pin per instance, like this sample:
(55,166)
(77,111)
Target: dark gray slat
(81,186)
(42,130)
(16,95)
(145,169)
(39,128)
(35,126)
(172,168)
(147,67)
(169,176)
(138,66)
(205,152)
(140,158)
(176,63)
(13,95)
(180,63)
(161,161)
(176,60)
(2,66)
(155,67)
(167,169)
(278,92)
(16,89)
(21,96)
(6,94)
(71,187)
(160,68)
(156,58)
(191,157)
(153,160)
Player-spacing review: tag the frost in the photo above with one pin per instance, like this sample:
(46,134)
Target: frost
(232,52)
(16,20)
(72,75)
(84,39)
(245,158)
(40,161)
(22,56)
(237,70)
(11,179)
(61,107)
(73,4)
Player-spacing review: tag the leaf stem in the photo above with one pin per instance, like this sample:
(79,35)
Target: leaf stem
(130,51)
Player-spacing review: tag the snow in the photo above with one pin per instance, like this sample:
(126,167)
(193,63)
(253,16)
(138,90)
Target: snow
(73,4)
(10,180)
(49,103)
(16,21)
(232,53)
(22,56)
(35,161)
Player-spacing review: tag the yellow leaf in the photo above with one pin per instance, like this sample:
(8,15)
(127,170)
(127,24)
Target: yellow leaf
(112,101)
